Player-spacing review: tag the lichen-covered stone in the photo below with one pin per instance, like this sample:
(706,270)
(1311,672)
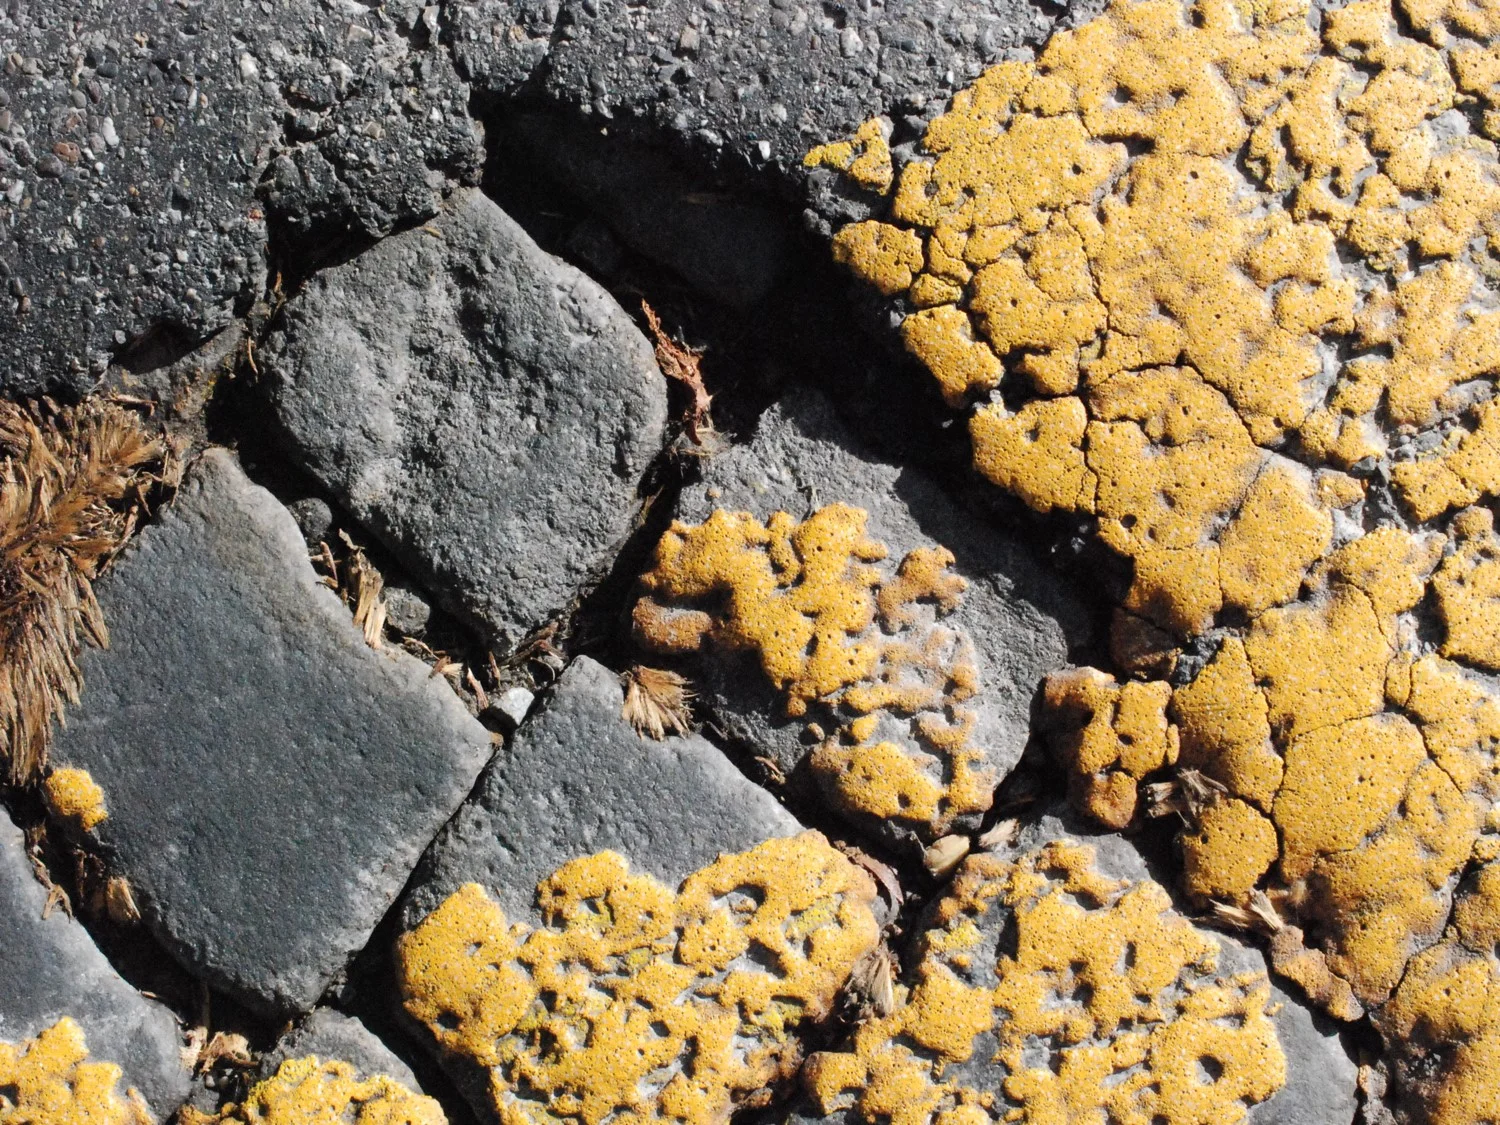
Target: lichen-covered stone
(270,780)
(818,589)
(1055,981)
(1234,268)
(484,409)
(312,1090)
(331,1035)
(617,925)
(75,1038)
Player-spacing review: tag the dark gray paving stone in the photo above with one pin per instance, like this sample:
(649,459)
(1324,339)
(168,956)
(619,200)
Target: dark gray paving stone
(134,139)
(745,82)
(271,781)
(331,1035)
(577,779)
(51,968)
(1019,616)
(733,248)
(483,408)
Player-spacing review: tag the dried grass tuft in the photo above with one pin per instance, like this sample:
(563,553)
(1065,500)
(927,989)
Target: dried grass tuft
(73,483)
(657,702)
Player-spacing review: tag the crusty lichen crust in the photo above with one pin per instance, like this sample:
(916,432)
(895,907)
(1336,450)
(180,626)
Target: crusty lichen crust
(1448,1008)
(829,626)
(75,797)
(50,1080)
(634,1002)
(1106,1007)
(1235,265)
(310,1091)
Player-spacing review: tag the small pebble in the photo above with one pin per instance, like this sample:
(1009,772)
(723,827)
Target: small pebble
(513,705)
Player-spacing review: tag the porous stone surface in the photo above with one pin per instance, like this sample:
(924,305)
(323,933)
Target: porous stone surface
(134,142)
(270,781)
(755,81)
(482,407)
(1018,618)
(50,969)
(1066,927)
(327,1035)
(577,779)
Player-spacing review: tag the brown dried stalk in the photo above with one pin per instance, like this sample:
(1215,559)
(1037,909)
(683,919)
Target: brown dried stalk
(364,589)
(682,365)
(72,485)
(657,702)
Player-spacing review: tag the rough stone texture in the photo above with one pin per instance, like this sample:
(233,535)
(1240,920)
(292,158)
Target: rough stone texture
(328,1034)
(51,968)
(270,780)
(734,248)
(752,81)
(134,140)
(1020,617)
(576,780)
(1320,1076)
(483,408)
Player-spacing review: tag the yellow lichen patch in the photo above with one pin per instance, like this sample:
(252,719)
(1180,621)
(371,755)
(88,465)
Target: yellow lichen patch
(636,1001)
(75,797)
(1235,266)
(830,628)
(1467,587)
(1228,851)
(306,1091)
(1225,733)
(796,595)
(1265,151)
(866,158)
(49,1080)
(1107,1007)
(1443,1023)
(1108,737)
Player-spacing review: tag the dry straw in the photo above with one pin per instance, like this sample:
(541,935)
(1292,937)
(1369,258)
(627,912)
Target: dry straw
(73,482)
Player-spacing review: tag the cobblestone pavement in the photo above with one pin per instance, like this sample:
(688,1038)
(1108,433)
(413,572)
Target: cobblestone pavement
(584,562)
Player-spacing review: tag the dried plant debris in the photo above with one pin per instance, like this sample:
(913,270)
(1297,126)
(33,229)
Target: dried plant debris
(683,365)
(73,483)
(657,702)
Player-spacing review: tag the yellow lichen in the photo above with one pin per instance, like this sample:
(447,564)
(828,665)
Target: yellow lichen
(307,1091)
(1467,588)
(75,797)
(635,1001)
(829,628)
(1108,1007)
(1235,271)
(1108,736)
(1229,850)
(49,1080)
(1443,1023)
(866,159)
